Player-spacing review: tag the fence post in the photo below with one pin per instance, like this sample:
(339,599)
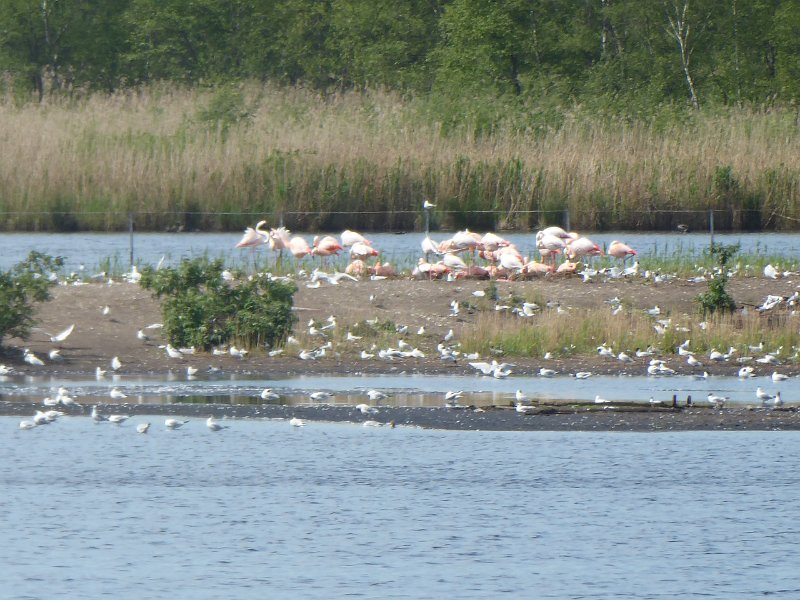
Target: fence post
(130,232)
(711,224)
(567,226)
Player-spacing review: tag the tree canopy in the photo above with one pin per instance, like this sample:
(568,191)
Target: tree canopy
(611,52)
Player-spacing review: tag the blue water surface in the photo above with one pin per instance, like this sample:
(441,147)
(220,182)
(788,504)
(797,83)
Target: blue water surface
(266,510)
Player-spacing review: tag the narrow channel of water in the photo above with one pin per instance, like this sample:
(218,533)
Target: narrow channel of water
(404,389)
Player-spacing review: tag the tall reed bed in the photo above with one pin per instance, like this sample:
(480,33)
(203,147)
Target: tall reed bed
(199,158)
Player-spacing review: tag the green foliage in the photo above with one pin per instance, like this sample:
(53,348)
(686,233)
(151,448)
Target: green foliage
(617,54)
(226,108)
(201,308)
(717,298)
(27,282)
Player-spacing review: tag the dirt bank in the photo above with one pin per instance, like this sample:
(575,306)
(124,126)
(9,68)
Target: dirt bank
(98,337)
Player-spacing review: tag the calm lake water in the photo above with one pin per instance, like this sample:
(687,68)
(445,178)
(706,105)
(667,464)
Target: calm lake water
(90,249)
(405,389)
(265,510)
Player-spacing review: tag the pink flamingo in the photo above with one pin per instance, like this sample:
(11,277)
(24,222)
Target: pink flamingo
(556,231)
(491,241)
(362,251)
(253,236)
(620,250)
(511,262)
(429,246)
(535,269)
(299,247)
(351,237)
(582,246)
(550,245)
(278,242)
(430,270)
(357,268)
(325,246)
(451,261)
(382,270)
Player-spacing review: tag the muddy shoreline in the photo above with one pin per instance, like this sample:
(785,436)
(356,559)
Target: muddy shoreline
(547,418)
(107,318)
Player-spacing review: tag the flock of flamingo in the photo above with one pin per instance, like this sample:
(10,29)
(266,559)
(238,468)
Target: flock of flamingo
(502,258)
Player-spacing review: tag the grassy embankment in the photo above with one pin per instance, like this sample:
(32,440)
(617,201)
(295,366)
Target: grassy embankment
(579,333)
(179,157)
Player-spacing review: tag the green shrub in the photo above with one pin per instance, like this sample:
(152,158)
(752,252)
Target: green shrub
(717,297)
(202,309)
(27,282)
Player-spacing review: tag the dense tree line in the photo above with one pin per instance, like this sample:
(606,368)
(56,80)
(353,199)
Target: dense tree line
(631,53)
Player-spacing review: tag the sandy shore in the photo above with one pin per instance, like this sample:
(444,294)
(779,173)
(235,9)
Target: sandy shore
(98,337)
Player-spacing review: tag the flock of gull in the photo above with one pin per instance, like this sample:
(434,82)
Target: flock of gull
(500,259)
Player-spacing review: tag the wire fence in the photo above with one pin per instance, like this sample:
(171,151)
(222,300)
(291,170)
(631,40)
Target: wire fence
(274,215)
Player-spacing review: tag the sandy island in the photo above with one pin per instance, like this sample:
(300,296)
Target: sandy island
(98,337)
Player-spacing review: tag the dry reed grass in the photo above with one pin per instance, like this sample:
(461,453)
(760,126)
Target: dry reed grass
(171,154)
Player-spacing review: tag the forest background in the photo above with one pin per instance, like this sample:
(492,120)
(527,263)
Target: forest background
(202,114)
